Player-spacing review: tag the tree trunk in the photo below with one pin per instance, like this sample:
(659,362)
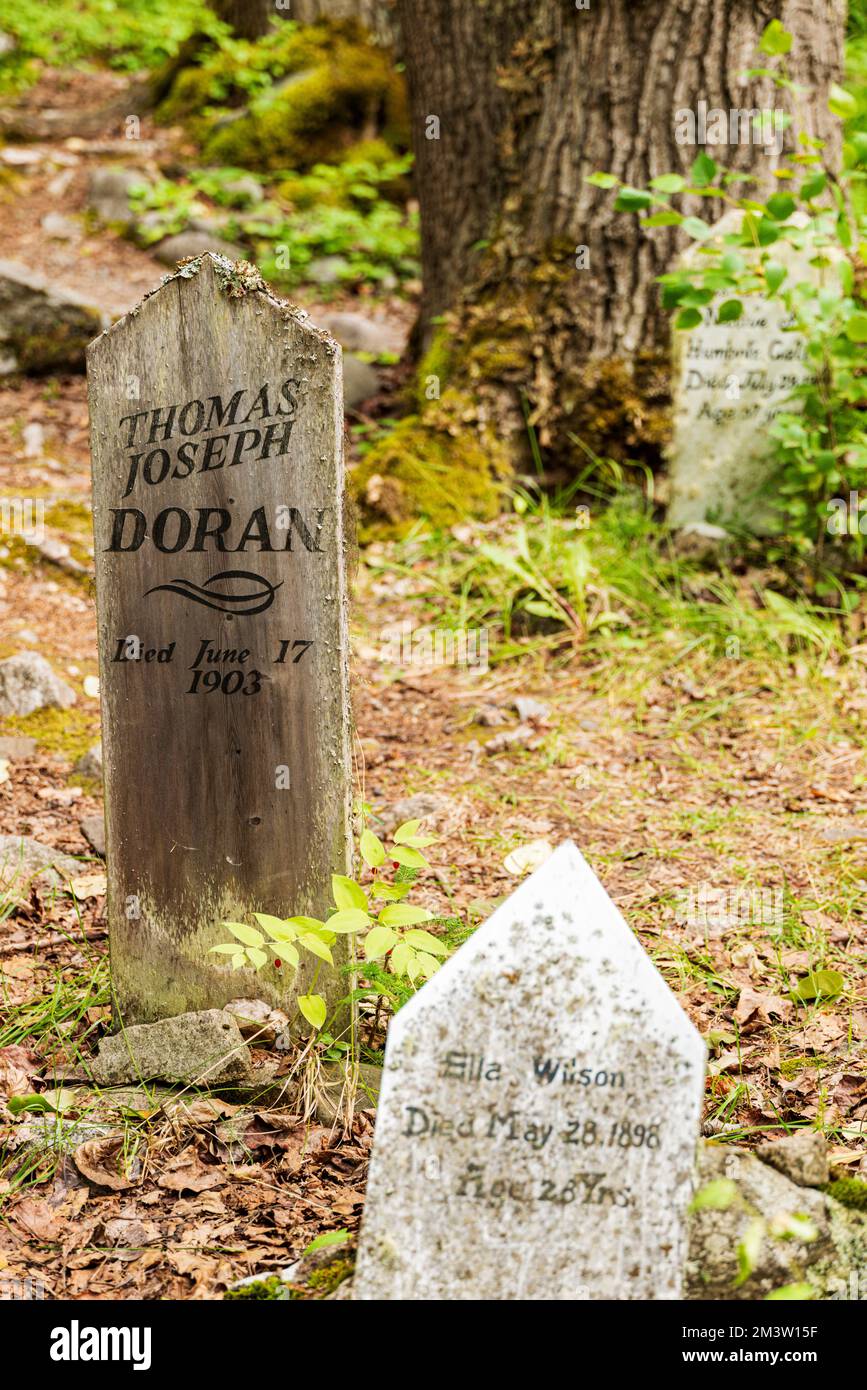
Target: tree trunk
(248,19)
(530,99)
(377,16)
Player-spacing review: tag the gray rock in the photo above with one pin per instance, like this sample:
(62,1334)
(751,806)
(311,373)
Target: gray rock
(356,333)
(531,709)
(41,324)
(798,1235)
(802,1157)
(108,194)
(58,553)
(23,858)
(204,1047)
(45,1134)
(193,243)
(14,746)
(90,763)
(60,227)
(244,190)
(360,381)
(699,540)
(258,1022)
(27,683)
(422,806)
(93,830)
(845,831)
(327,270)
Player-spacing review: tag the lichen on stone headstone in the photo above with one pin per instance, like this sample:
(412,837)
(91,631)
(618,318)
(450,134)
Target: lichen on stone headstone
(538,1119)
(729,381)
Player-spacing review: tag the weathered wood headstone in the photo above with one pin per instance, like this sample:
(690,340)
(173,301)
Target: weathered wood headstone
(729,380)
(539,1113)
(216,430)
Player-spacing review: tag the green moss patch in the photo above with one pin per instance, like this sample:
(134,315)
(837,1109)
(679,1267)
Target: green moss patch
(443,465)
(261,1290)
(69,732)
(292,99)
(849,1192)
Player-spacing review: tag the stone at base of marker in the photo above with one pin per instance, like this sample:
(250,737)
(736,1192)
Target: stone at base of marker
(205,1048)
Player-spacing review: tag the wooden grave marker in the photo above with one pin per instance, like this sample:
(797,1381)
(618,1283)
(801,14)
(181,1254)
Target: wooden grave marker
(216,431)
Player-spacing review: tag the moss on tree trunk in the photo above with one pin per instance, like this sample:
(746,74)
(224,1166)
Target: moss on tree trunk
(536,292)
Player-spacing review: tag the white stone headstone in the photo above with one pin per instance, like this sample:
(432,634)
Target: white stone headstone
(539,1114)
(729,381)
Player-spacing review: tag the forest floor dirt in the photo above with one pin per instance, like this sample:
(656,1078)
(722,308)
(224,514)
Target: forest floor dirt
(739,780)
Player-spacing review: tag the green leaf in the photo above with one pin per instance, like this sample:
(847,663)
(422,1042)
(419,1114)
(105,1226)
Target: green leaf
(600,180)
(249,935)
(780,206)
(795,1225)
(812,187)
(256,957)
(316,947)
(227,948)
(632,200)
(426,941)
(428,964)
(410,858)
(329,1238)
(663,219)
(403,958)
(767,231)
(313,1008)
(53,1102)
(729,311)
(404,833)
(403,915)
(30,1105)
(308,924)
(775,39)
(703,171)
(668,183)
(390,892)
(276,927)
(802,1293)
(695,228)
(775,274)
(349,919)
(717,1195)
(285,951)
(824,984)
(842,103)
(688,318)
(378,941)
(372,849)
(749,1249)
(856,328)
(347,893)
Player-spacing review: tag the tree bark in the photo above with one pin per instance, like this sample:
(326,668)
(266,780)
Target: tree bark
(248,19)
(377,16)
(530,100)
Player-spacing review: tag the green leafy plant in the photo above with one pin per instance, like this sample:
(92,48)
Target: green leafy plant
(821,441)
(390,932)
(125,37)
(343,210)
